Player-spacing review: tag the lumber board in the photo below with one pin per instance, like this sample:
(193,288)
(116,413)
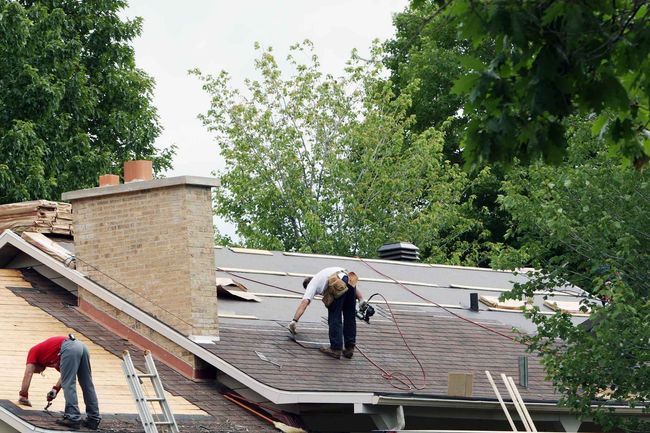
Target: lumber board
(11,272)
(40,216)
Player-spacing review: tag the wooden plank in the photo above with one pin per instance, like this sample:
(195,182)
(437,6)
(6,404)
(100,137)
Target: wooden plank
(10,272)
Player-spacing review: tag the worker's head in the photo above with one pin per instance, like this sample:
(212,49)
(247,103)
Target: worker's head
(305,282)
(38,368)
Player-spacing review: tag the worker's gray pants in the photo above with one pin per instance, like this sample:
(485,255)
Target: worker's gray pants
(75,362)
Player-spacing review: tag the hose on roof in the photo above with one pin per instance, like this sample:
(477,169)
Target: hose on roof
(458,316)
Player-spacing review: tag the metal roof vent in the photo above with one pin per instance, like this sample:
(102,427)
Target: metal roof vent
(402,251)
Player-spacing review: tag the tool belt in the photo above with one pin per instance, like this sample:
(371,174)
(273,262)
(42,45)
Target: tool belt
(336,287)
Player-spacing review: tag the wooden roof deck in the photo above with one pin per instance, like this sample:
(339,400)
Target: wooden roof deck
(24,325)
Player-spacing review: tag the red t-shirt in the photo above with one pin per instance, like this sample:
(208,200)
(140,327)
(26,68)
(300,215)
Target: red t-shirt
(46,353)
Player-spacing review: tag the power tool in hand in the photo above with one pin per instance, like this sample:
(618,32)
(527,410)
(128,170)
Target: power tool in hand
(365,312)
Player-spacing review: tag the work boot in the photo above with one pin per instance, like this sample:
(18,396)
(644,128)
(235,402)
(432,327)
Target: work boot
(348,352)
(70,424)
(92,424)
(331,352)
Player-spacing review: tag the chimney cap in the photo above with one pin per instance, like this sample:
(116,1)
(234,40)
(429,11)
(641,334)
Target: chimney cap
(109,180)
(138,170)
(141,186)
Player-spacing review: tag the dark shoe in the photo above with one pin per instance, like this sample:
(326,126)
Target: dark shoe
(330,352)
(68,423)
(92,424)
(348,352)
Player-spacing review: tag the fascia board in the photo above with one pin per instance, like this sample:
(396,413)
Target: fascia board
(546,407)
(450,402)
(20,425)
(274,395)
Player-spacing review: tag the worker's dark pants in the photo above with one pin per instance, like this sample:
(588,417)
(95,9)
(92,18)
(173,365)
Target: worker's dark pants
(75,362)
(345,330)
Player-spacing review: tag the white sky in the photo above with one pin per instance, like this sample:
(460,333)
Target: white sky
(219,34)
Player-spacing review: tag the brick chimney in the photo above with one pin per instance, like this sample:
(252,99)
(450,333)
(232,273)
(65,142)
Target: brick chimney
(151,242)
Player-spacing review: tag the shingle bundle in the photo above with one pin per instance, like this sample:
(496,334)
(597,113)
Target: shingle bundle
(41,216)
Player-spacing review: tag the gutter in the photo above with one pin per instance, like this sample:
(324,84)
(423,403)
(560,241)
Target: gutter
(20,425)
(272,394)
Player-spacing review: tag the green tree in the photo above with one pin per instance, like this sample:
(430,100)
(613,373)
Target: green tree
(427,50)
(585,223)
(72,103)
(329,165)
(552,60)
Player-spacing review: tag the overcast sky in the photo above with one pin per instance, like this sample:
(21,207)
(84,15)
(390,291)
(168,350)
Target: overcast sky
(219,34)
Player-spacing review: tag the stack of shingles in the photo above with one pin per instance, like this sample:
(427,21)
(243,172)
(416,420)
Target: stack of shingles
(41,216)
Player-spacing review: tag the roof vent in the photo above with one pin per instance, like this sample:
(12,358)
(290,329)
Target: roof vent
(402,251)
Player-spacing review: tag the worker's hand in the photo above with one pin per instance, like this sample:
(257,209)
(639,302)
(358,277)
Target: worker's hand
(23,398)
(53,393)
(292,327)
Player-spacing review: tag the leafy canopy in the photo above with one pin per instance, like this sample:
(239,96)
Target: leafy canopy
(328,165)
(553,59)
(427,51)
(585,222)
(72,103)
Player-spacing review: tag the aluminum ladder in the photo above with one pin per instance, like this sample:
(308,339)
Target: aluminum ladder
(134,379)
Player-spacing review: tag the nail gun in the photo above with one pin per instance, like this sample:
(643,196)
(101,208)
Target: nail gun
(366,311)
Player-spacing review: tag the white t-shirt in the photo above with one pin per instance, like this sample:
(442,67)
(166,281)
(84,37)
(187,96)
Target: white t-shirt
(318,283)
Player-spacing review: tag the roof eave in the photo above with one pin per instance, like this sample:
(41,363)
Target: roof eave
(21,425)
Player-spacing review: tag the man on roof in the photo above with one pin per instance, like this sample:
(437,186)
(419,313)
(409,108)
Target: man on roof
(338,288)
(70,357)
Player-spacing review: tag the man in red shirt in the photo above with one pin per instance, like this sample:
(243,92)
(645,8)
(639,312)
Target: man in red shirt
(71,358)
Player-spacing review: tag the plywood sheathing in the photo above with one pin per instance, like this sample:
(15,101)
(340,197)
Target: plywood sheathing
(24,325)
(41,216)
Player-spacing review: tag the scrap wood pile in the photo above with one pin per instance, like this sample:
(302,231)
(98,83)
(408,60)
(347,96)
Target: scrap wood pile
(41,216)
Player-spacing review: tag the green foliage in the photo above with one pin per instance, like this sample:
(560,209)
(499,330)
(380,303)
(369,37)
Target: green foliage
(329,165)
(430,55)
(553,59)
(427,51)
(72,103)
(585,222)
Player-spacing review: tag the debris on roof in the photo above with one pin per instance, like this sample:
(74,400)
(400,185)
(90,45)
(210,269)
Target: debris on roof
(229,287)
(251,251)
(40,216)
(50,247)
(509,304)
(569,307)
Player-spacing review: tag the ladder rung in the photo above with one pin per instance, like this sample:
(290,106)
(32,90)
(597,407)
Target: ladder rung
(147,375)
(163,423)
(154,399)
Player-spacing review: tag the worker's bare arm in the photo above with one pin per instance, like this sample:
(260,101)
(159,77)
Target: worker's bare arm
(23,399)
(301,309)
